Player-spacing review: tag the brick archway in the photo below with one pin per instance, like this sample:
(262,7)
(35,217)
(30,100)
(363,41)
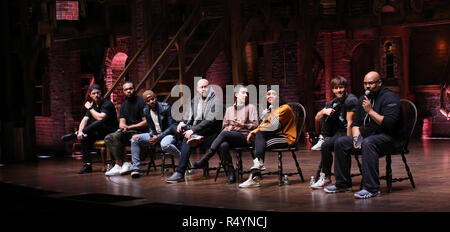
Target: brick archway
(115,62)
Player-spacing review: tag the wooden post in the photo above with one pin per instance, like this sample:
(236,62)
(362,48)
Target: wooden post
(237,48)
(404,89)
(328,66)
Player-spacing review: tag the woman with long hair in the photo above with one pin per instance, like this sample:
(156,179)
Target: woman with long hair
(238,121)
(278,130)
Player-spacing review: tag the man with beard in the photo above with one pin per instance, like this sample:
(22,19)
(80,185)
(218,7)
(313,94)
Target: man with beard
(103,112)
(377,129)
(201,128)
(131,122)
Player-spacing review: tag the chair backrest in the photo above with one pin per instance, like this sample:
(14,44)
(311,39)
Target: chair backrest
(409,111)
(300,117)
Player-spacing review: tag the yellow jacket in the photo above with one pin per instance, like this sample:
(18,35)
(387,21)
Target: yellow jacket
(287,120)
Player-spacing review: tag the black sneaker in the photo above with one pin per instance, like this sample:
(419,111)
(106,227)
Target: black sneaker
(195,140)
(69,137)
(87,168)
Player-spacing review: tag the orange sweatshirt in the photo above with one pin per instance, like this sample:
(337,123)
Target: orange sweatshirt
(287,120)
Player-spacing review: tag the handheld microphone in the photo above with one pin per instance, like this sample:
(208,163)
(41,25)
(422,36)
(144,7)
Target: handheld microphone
(368,93)
(265,116)
(334,107)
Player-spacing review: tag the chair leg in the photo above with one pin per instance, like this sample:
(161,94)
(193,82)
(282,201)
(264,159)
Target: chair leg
(389,172)
(163,165)
(360,171)
(319,169)
(299,170)
(280,168)
(102,156)
(218,169)
(173,162)
(239,165)
(408,171)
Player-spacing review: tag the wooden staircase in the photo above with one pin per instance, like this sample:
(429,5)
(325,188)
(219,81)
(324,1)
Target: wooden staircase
(189,52)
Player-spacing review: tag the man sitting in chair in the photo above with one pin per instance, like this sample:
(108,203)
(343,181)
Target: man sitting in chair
(161,128)
(336,120)
(201,128)
(103,112)
(377,130)
(131,122)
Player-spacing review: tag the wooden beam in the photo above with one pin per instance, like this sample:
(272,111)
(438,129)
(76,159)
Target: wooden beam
(237,48)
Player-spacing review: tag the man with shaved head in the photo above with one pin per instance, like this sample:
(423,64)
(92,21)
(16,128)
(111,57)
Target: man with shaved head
(200,128)
(161,127)
(377,130)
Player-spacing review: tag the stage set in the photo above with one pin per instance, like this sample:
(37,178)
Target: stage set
(56,50)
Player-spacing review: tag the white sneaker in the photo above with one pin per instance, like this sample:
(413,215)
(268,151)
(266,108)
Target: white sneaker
(126,168)
(318,145)
(135,174)
(258,165)
(252,182)
(322,182)
(115,171)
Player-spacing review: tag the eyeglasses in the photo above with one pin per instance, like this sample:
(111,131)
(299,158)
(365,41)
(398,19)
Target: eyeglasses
(371,82)
(150,99)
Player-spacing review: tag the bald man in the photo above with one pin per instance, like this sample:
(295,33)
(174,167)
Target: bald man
(377,129)
(161,130)
(201,128)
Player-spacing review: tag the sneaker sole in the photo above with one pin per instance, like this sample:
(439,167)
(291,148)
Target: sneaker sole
(251,186)
(378,194)
(338,191)
(174,181)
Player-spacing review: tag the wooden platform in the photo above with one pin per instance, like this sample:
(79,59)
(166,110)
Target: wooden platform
(56,178)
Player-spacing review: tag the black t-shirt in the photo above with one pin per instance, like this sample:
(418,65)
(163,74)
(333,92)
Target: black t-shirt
(107,107)
(132,109)
(339,118)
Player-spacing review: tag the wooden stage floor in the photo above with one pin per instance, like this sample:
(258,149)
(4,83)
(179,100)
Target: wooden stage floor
(57,178)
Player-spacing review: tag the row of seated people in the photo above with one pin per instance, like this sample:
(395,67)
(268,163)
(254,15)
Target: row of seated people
(147,122)
(372,124)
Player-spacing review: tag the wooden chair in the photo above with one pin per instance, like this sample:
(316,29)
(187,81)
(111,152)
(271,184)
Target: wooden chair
(100,146)
(409,111)
(300,117)
(239,169)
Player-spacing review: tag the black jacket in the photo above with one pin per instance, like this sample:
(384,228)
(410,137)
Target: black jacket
(388,104)
(166,122)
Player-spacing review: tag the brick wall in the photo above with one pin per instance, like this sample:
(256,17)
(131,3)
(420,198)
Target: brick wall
(65,102)
(219,73)
(67,10)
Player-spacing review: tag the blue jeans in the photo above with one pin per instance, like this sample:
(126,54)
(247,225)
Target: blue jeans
(167,145)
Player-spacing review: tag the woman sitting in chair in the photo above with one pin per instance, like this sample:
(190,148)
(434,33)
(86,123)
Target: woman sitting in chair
(239,120)
(278,130)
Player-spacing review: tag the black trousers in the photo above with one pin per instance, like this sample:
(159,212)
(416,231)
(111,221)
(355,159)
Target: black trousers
(185,152)
(327,149)
(226,140)
(265,140)
(372,148)
(94,131)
